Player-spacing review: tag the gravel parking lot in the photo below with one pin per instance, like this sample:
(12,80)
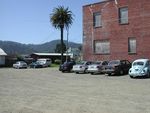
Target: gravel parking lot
(47,90)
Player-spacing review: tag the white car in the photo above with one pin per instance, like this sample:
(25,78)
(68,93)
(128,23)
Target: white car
(44,62)
(140,67)
(81,67)
(97,67)
(20,64)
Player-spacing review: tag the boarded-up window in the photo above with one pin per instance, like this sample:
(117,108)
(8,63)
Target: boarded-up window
(123,15)
(102,47)
(132,45)
(97,19)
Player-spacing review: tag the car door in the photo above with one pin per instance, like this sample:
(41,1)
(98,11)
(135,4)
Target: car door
(148,65)
(123,65)
(87,64)
(127,66)
(104,64)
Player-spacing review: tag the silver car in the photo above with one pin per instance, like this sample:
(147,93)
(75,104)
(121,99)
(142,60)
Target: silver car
(97,67)
(20,64)
(140,67)
(81,67)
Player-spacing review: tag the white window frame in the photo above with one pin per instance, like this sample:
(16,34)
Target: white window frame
(132,46)
(123,15)
(102,47)
(97,19)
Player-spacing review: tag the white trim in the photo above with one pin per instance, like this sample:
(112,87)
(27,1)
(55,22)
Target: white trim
(2,53)
(51,54)
(116,2)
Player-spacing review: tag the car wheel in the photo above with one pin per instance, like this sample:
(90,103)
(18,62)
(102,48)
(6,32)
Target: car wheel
(131,76)
(121,72)
(148,74)
(77,72)
(62,71)
(92,73)
(69,70)
(109,74)
(85,71)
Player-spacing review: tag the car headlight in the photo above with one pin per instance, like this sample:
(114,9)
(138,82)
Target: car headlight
(130,70)
(144,71)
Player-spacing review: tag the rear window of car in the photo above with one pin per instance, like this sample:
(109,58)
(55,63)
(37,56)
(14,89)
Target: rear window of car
(138,63)
(22,62)
(82,62)
(97,63)
(114,62)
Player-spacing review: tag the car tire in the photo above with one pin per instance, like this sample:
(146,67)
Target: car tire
(131,76)
(62,71)
(148,75)
(85,71)
(77,72)
(92,73)
(121,72)
(109,74)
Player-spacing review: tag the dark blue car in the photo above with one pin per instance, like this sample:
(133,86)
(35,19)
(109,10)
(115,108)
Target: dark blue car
(67,66)
(35,65)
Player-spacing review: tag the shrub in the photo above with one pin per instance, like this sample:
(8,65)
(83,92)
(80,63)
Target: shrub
(57,61)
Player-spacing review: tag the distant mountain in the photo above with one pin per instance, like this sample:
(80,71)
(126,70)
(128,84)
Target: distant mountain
(17,48)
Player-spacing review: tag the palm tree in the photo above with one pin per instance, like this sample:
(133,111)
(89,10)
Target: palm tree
(61,18)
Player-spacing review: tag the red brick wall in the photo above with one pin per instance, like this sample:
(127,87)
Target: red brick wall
(138,27)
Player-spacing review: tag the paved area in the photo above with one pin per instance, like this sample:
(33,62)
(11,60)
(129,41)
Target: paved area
(50,91)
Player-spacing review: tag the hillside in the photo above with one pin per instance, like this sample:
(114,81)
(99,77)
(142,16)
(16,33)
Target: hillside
(17,48)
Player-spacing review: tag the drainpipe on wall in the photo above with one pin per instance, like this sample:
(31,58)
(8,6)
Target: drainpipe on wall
(91,11)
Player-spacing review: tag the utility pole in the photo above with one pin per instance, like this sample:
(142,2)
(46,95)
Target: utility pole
(67,44)
(116,2)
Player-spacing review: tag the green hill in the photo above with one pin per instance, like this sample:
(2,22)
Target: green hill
(18,48)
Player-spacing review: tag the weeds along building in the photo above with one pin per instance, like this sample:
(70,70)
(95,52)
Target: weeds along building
(116,29)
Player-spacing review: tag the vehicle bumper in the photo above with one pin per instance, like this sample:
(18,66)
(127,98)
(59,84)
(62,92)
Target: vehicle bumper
(109,71)
(79,70)
(94,71)
(137,74)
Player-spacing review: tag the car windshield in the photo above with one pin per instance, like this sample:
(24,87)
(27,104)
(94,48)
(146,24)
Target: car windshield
(81,63)
(22,62)
(114,62)
(138,63)
(38,61)
(66,62)
(98,63)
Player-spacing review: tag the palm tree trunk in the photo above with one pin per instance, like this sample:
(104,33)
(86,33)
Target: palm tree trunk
(62,45)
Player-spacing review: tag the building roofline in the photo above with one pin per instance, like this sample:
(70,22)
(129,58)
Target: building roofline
(51,54)
(2,52)
(97,3)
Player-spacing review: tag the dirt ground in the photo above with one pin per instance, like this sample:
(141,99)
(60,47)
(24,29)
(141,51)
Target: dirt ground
(49,91)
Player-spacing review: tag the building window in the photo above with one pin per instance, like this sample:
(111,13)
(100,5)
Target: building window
(97,19)
(132,45)
(102,47)
(123,15)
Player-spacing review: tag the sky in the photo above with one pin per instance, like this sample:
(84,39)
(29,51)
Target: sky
(28,21)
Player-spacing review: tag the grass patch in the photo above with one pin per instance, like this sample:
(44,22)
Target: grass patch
(54,65)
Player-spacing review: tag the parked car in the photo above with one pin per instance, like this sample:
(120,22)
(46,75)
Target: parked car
(45,62)
(119,67)
(81,67)
(140,67)
(35,65)
(97,67)
(67,66)
(20,64)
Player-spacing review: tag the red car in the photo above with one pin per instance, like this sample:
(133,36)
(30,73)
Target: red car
(118,67)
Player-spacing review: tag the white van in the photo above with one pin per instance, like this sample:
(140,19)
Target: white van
(44,61)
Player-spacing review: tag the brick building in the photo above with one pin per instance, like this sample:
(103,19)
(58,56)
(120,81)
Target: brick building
(116,29)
